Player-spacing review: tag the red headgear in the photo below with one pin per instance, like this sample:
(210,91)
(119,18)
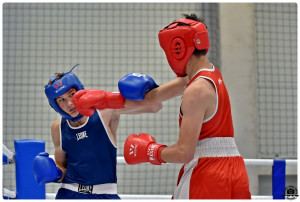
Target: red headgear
(179,42)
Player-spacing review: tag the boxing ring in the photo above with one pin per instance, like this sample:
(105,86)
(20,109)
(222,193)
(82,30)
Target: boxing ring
(28,188)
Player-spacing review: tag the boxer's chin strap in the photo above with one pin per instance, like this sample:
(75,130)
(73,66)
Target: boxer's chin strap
(77,118)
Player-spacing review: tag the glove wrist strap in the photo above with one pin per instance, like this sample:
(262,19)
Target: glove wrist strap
(115,100)
(153,153)
(159,153)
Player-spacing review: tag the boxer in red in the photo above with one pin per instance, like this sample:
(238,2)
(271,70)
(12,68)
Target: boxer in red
(213,167)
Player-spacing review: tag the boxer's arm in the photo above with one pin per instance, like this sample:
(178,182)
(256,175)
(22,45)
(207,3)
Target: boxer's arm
(154,98)
(168,90)
(59,154)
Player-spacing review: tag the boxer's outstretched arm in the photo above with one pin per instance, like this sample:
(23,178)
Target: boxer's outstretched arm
(138,94)
(154,98)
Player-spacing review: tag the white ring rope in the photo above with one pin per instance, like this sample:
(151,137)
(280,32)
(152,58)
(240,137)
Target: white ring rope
(121,160)
(156,197)
(8,153)
(249,162)
(8,193)
(269,162)
(12,194)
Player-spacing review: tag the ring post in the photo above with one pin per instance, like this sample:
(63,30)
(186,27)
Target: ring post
(26,185)
(278,178)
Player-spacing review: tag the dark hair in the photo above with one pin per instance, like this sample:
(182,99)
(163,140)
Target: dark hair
(58,76)
(194,17)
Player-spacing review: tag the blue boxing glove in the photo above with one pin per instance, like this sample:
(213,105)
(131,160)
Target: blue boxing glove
(133,86)
(45,170)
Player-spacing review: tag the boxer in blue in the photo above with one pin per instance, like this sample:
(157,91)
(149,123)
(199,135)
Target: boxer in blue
(85,137)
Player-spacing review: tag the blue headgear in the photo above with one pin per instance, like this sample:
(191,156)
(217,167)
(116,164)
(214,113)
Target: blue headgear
(60,87)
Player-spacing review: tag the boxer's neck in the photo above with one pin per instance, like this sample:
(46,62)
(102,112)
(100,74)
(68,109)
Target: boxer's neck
(196,63)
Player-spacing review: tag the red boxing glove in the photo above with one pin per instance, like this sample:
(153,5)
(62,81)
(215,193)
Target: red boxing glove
(85,112)
(142,148)
(86,101)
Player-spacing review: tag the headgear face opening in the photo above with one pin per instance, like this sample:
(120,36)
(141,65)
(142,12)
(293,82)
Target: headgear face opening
(179,42)
(60,87)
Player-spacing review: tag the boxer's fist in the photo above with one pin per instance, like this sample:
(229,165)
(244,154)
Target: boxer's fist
(133,86)
(142,148)
(45,170)
(86,101)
